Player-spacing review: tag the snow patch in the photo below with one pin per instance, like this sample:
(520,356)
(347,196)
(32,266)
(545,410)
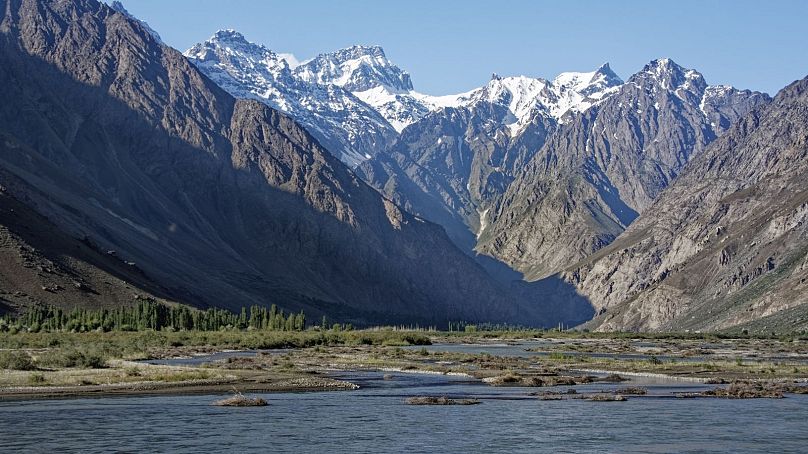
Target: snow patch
(483,221)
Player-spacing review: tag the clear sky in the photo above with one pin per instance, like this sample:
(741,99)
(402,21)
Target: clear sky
(451,46)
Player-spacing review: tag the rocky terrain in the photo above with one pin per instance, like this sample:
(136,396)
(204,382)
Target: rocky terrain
(726,245)
(111,136)
(604,167)
(42,264)
(452,163)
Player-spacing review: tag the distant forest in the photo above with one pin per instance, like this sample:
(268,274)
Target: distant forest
(151,315)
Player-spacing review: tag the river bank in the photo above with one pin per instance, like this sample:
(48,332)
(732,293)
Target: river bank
(127,364)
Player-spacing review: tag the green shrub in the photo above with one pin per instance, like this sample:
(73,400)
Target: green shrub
(16,361)
(83,358)
(365,340)
(36,379)
(560,356)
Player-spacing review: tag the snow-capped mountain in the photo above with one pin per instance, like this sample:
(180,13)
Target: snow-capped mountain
(344,124)
(356,68)
(452,164)
(369,75)
(366,72)
(460,160)
(356,101)
(525,97)
(577,92)
(539,174)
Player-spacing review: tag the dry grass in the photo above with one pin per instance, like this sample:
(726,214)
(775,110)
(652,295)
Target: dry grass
(119,372)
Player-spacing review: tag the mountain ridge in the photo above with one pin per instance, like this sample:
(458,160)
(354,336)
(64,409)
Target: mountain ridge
(117,138)
(366,73)
(725,245)
(596,174)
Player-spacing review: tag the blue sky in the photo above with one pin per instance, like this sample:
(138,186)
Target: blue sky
(450,46)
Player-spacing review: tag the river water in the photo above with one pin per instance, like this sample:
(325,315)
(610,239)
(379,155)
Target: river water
(375,418)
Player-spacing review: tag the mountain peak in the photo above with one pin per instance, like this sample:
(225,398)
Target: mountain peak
(228,37)
(670,75)
(663,66)
(357,69)
(578,91)
(601,78)
(228,34)
(118,6)
(358,51)
(608,74)
(229,45)
(665,63)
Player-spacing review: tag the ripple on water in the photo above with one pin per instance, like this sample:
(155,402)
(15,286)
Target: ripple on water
(375,418)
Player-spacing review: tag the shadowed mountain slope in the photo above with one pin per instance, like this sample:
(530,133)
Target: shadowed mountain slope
(117,138)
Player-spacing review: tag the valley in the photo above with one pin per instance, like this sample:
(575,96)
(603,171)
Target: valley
(233,175)
(209,244)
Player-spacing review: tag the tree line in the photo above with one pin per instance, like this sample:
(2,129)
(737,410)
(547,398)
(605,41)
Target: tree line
(152,315)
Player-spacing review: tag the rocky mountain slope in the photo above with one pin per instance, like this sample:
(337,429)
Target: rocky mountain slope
(43,265)
(726,244)
(118,139)
(451,164)
(603,167)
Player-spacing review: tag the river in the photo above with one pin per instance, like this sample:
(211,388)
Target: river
(375,418)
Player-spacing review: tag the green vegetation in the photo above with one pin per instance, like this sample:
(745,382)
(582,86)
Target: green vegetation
(91,361)
(139,345)
(16,360)
(85,358)
(151,315)
(36,379)
(559,356)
